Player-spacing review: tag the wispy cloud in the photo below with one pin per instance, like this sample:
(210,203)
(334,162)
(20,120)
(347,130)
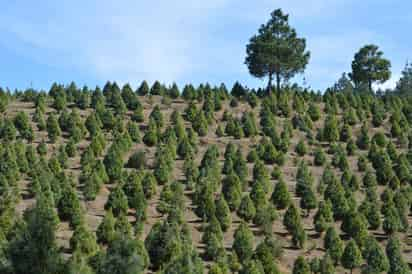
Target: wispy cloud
(177,40)
(125,41)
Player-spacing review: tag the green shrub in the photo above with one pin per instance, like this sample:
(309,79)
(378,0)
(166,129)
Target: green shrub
(137,160)
(301,149)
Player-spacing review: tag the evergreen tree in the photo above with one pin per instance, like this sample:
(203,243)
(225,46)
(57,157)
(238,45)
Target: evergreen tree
(117,202)
(151,136)
(301,149)
(351,257)
(243,242)
(187,262)
(266,252)
(113,163)
(106,230)
(247,210)
(396,262)
(291,218)
(369,66)
(320,223)
(134,132)
(330,130)
(84,241)
(33,248)
(232,191)
(276,51)
(298,236)
(223,213)
(137,160)
(333,244)
(301,266)
(308,200)
(163,243)
(314,112)
(69,207)
(149,185)
(124,256)
(157,89)
(157,116)
(138,115)
(363,140)
(53,128)
(143,89)
(326,265)
(376,260)
(78,263)
(404,85)
(135,195)
(319,157)
(21,122)
(200,124)
(92,185)
(189,92)
(391,222)
(281,196)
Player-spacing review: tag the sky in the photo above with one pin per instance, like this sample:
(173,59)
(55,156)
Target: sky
(191,41)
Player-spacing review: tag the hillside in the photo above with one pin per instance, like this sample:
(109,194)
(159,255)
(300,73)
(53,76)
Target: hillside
(204,181)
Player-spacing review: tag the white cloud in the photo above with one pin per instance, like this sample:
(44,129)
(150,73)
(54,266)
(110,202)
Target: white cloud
(122,40)
(180,40)
(390,84)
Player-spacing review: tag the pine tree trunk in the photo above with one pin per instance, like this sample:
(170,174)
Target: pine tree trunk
(277,82)
(269,88)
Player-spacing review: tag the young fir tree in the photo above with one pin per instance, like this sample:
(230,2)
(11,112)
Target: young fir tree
(351,257)
(232,191)
(117,202)
(396,262)
(92,184)
(143,89)
(319,157)
(124,255)
(33,247)
(53,128)
(375,257)
(106,230)
(243,242)
(21,122)
(134,132)
(281,196)
(78,263)
(149,185)
(333,244)
(200,124)
(247,210)
(326,265)
(301,266)
(268,250)
(137,160)
(84,241)
(308,200)
(301,149)
(151,136)
(223,213)
(69,207)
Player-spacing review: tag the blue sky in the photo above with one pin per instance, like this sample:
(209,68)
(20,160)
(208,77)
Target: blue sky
(92,41)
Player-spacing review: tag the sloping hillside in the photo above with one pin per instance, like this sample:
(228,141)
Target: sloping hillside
(151,180)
